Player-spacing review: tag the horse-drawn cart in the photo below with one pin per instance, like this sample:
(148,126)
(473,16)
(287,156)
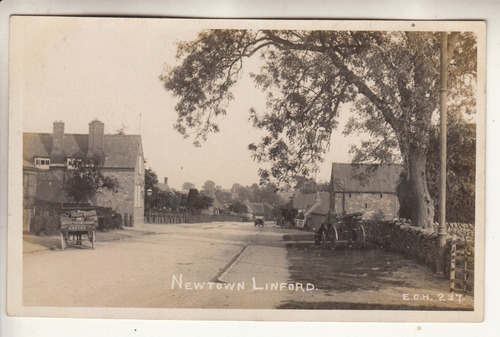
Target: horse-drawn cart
(347,229)
(76,223)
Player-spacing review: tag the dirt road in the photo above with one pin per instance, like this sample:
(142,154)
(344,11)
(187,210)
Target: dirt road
(228,265)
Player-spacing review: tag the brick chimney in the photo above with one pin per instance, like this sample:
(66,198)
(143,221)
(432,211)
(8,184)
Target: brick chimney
(57,155)
(96,137)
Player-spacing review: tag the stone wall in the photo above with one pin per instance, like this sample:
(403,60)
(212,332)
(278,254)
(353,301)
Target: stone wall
(411,241)
(383,206)
(464,230)
(414,242)
(55,179)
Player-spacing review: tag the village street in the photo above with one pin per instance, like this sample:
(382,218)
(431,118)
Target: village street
(227,265)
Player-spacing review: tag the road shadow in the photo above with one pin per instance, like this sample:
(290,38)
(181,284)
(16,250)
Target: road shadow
(345,269)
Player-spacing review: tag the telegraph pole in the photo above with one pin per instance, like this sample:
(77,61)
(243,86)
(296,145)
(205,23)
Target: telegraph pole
(443,91)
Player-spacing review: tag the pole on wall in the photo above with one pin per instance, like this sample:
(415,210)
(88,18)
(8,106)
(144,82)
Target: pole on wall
(331,211)
(443,91)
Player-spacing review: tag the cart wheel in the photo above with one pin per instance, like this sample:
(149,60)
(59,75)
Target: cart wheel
(93,239)
(361,235)
(63,242)
(334,237)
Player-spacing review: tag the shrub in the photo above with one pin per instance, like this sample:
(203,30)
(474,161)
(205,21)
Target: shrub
(108,219)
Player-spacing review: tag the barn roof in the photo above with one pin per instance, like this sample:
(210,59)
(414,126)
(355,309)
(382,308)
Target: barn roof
(379,178)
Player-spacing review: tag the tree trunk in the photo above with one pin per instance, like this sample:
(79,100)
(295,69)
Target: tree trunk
(422,208)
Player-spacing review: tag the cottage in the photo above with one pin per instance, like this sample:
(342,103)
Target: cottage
(264,209)
(251,210)
(312,209)
(46,158)
(366,188)
(164,185)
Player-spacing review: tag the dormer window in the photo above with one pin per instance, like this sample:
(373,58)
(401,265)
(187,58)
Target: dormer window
(42,162)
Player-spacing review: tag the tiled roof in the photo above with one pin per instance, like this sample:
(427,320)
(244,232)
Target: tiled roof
(259,207)
(267,205)
(324,207)
(120,150)
(250,206)
(28,165)
(306,201)
(163,186)
(366,177)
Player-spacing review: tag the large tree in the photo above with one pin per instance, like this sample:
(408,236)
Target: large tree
(209,186)
(187,186)
(157,199)
(238,207)
(197,201)
(391,80)
(150,179)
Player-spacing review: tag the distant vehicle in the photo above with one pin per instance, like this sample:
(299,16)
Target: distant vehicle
(259,221)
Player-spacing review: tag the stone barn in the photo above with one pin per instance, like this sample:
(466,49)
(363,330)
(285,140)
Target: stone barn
(366,188)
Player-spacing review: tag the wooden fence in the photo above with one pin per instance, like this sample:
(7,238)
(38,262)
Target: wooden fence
(154,217)
(462,265)
(164,218)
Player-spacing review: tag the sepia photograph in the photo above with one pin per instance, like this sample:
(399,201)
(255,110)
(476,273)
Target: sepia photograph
(271,170)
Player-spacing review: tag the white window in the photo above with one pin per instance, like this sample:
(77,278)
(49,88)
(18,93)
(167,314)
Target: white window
(42,162)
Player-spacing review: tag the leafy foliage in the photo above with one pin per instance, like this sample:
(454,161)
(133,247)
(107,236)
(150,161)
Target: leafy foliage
(197,201)
(461,169)
(165,200)
(150,179)
(209,186)
(86,179)
(187,186)
(266,193)
(390,79)
(309,185)
(242,193)
(158,199)
(238,207)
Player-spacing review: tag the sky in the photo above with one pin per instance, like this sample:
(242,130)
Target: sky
(80,69)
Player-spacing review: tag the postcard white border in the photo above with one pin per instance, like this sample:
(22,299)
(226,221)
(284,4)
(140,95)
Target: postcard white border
(14,293)
(390,13)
